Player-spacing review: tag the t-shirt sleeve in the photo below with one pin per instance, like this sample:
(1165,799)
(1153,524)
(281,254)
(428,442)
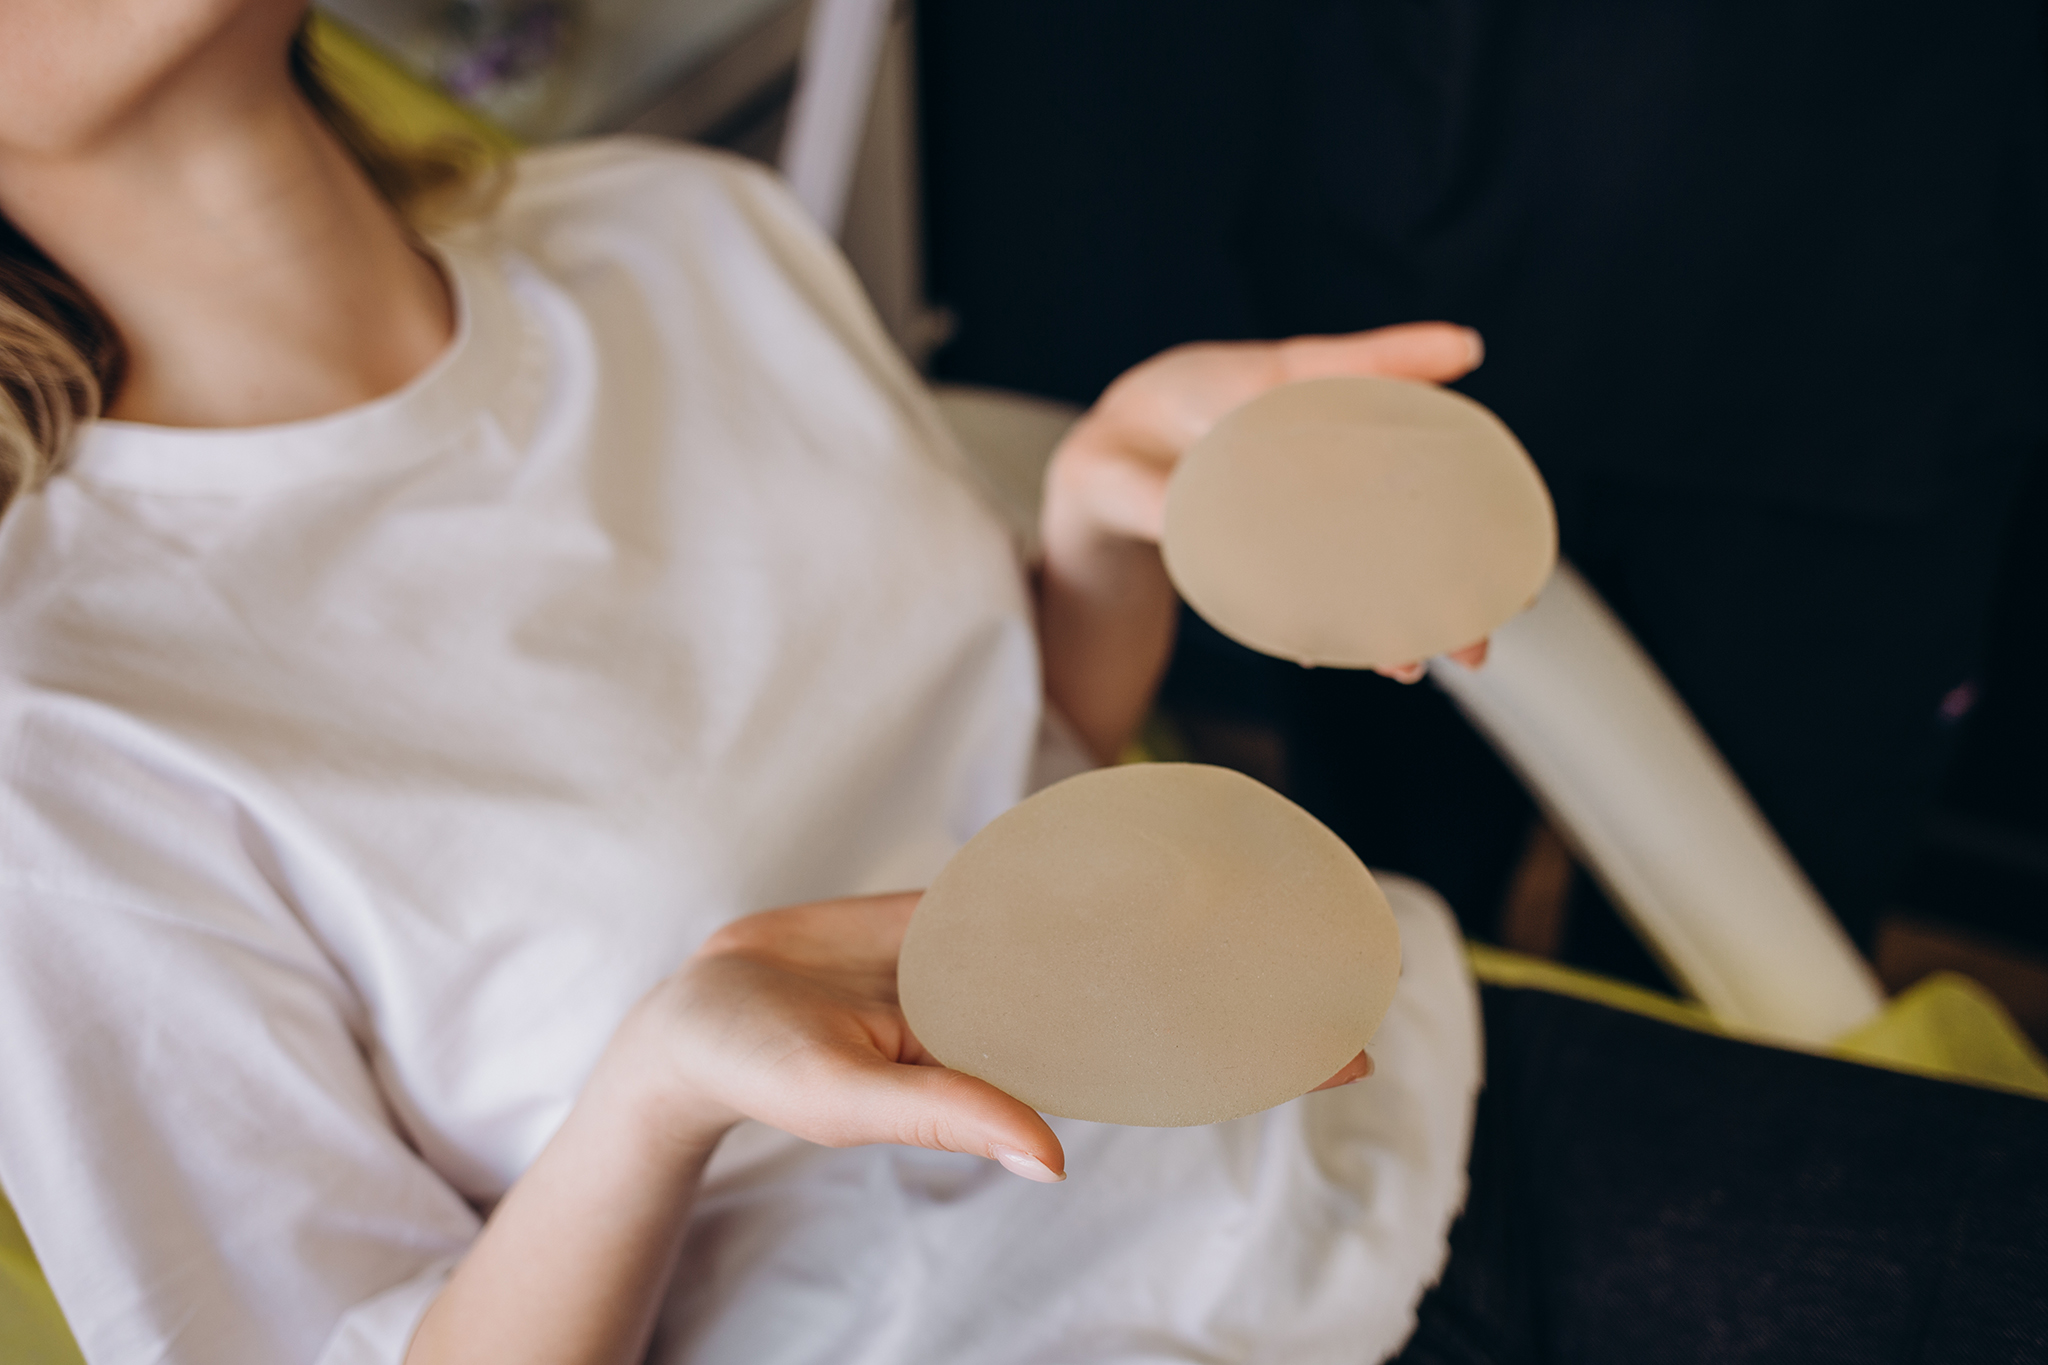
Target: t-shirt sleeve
(190,1127)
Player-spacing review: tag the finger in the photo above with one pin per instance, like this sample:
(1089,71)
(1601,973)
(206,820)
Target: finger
(856,929)
(1472,656)
(929,1106)
(1403,673)
(1436,351)
(1357,1069)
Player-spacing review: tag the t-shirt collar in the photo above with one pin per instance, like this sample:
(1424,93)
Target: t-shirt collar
(470,378)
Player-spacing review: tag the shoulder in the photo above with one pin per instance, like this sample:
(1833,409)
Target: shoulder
(641,223)
(632,165)
(682,195)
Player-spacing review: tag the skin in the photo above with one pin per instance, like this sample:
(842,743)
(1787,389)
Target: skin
(157,150)
(1106,607)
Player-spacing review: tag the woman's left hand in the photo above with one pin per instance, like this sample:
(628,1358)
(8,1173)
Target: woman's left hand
(1106,607)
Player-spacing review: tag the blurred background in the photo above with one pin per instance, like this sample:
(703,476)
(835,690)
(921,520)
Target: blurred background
(1765,291)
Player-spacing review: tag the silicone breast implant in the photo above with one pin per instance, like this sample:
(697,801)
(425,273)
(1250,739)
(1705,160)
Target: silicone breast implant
(1173,944)
(1358,523)
(1158,944)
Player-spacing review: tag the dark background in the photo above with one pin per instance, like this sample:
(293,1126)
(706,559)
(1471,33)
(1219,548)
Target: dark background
(1763,291)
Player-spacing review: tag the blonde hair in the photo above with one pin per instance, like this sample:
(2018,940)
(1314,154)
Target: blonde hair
(61,359)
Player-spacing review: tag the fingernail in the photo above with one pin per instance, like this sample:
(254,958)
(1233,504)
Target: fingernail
(1478,348)
(1026,1165)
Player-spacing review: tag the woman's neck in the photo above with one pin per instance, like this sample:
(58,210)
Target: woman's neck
(253,272)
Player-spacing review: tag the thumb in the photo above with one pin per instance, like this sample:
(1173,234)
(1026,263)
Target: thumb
(946,1110)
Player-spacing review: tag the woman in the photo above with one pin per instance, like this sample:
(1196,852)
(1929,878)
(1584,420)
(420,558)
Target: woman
(415,653)
(413,680)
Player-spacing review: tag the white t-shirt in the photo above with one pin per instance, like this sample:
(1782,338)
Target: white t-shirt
(357,774)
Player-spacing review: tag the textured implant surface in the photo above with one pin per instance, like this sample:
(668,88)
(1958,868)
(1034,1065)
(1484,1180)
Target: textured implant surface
(1157,944)
(1358,523)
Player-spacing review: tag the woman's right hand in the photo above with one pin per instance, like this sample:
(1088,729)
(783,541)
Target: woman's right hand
(790,1017)
(787,1016)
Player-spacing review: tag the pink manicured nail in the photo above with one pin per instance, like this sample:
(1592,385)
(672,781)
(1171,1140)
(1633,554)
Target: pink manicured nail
(1026,1165)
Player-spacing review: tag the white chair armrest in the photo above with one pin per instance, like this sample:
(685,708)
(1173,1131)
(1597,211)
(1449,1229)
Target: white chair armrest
(1007,437)
(1606,746)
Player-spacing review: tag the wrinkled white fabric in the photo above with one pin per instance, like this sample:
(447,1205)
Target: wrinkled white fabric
(356,775)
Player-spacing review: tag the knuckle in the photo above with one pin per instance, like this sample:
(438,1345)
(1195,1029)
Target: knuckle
(932,1131)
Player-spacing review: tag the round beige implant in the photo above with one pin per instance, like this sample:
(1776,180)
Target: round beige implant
(1157,944)
(1358,523)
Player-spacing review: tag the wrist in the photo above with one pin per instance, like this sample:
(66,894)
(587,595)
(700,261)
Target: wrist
(1104,495)
(642,1094)
(1087,546)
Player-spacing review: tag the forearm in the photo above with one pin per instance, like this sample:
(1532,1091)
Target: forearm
(572,1266)
(1105,625)
(788,1017)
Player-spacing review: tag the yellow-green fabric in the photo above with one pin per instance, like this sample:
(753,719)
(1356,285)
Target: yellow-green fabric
(1499,967)
(406,111)
(1946,1026)
(32,1331)
(1950,1027)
